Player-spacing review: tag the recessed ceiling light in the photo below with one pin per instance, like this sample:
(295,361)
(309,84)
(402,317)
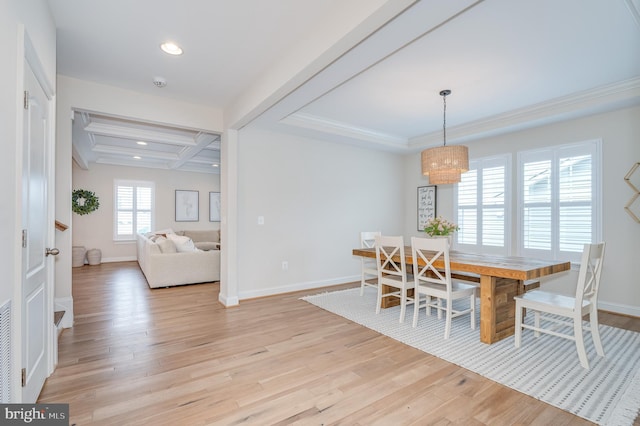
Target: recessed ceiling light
(141,143)
(137,157)
(215,165)
(171,48)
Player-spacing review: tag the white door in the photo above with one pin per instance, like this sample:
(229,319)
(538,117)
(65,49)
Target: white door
(37,315)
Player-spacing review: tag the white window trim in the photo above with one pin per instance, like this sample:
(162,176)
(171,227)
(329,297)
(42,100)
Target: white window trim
(136,183)
(554,254)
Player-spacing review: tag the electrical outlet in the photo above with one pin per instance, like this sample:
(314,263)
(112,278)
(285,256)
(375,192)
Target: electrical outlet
(285,265)
(260,220)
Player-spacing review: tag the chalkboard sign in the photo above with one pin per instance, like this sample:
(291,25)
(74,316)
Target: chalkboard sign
(426,205)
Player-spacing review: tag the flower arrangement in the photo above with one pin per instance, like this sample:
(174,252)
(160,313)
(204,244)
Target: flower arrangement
(439,226)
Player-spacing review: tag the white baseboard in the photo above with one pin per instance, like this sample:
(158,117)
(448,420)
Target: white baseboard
(297,287)
(618,308)
(602,305)
(65,304)
(115,259)
(119,259)
(228,302)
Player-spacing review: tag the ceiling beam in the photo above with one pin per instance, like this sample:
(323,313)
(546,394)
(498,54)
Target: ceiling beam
(202,140)
(131,133)
(113,150)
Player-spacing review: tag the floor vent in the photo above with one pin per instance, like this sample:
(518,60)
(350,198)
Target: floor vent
(5,353)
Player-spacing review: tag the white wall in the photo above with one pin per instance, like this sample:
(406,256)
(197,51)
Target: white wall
(620,135)
(315,198)
(95,230)
(18,19)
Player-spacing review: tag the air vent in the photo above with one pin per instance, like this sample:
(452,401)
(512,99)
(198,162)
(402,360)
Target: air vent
(5,353)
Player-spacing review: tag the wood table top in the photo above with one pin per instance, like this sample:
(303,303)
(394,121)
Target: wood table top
(519,268)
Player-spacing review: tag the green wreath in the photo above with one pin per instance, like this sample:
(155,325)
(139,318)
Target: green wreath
(84,202)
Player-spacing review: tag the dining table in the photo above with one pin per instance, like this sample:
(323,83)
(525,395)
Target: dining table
(500,279)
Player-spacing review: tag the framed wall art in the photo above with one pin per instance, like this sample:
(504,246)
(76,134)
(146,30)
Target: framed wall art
(214,207)
(633,182)
(187,206)
(426,205)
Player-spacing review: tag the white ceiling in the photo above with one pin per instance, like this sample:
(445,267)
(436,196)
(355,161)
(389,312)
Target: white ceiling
(509,63)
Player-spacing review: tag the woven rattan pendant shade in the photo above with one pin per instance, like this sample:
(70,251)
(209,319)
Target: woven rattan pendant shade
(445,164)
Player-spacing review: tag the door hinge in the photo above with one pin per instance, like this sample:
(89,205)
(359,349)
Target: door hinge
(23,374)
(24,238)
(26,99)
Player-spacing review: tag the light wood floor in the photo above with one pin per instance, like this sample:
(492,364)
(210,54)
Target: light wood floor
(175,356)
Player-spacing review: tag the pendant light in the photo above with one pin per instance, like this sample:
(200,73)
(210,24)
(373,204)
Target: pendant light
(445,164)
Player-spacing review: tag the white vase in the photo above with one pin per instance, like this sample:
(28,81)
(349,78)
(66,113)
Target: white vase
(448,237)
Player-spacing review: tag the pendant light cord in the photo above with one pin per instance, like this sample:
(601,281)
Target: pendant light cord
(444,119)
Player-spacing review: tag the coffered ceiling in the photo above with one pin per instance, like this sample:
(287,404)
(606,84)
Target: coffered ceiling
(510,65)
(103,139)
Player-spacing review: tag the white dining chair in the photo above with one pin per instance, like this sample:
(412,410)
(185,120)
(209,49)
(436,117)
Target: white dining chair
(369,269)
(436,283)
(571,310)
(392,272)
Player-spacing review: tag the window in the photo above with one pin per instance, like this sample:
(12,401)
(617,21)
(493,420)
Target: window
(482,206)
(558,195)
(134,208)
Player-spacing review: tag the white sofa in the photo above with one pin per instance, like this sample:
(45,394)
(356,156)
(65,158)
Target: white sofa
(164,269)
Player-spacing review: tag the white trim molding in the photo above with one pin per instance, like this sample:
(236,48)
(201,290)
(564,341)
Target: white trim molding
(119,259)
(289,288)
(598,100)
(325,125)
(619,308)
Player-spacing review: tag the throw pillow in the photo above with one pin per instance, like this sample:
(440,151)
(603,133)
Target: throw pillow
(183,244)
(166,246)
(163,232)
(207,245)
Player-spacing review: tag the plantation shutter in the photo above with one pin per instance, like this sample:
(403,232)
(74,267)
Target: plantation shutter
(559,208)
(134,209)
(143,209)
(493,207)
(467,219)
(124,212)
(481,206)
(537,205)
(576,203)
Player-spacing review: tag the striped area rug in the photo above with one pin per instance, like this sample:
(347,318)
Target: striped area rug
(546,368)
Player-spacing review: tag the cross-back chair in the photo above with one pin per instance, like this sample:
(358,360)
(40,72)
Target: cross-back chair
(392,271)
(436,283)
(369,269)
(567,311)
